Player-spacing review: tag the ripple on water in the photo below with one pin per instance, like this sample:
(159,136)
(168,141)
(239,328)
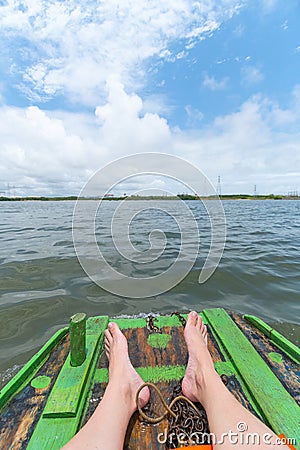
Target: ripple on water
(42,284)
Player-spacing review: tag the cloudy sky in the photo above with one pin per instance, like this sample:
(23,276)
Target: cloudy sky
(214,81)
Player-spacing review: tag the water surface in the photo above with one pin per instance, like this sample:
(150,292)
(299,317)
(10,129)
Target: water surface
(42,284)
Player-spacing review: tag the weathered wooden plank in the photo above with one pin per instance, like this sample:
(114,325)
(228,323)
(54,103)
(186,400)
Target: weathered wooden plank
(148,374)
(282,342)
(20,416)
(286,370)
(53,434)
(164,373)
(141,435)
(143,352)
(54,431)
(141,322)
(279,408)
(66,394)
(96,324)
(30,368)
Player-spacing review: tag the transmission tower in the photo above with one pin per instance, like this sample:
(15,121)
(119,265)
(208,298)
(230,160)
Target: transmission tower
(219,190)
(255,191)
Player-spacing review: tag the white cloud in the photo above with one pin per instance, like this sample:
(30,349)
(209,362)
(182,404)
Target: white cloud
(251,75)
(97,54)
(72,48)
(125,129)
(156,103)
(269,5)
(194,116)
(213,84)
(56,152)
(239,31)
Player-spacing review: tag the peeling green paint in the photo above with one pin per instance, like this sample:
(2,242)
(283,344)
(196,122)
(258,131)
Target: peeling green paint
(126,323)
(158,340)
(30,368)
(148,374)
(141,322)
(276,357)
(163,373)
(225,367)
(40,382)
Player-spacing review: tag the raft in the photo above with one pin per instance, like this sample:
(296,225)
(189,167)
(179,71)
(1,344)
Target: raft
(52,396)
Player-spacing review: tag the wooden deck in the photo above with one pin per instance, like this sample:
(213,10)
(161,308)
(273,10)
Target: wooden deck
(46,414)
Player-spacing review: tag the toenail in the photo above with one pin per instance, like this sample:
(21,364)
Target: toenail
(110,325)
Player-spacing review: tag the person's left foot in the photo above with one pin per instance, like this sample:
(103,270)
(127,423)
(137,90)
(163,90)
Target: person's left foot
(121,372)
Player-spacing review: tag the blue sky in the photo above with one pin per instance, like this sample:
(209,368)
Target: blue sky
(214,82)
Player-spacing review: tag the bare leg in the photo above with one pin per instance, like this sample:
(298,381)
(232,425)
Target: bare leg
(107,427)
(202,383)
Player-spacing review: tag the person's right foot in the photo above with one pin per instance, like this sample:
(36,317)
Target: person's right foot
(200,367)
(122,375)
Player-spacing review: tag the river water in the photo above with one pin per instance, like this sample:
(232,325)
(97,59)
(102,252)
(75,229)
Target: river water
(42,283)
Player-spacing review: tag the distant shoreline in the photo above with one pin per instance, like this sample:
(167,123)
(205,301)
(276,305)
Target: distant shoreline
(179,196)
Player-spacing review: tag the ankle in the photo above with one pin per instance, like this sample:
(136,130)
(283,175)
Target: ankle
(208,385)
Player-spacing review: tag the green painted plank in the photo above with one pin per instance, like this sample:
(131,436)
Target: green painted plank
(279,408)
(70,385)
(163,373)
(30,368)
(278,339)
(96,323)
(225,367)
(52,433)
(66,393)
(148,374)
(228,369)
(141,322)
(126,323)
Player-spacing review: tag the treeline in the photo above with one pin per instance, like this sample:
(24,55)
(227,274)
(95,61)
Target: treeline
(45,199)
(233,197)
(155,197)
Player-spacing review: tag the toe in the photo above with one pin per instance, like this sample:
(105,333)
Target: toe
(201,324)
(107,343)
(205,334)
(113,329)
(192,319)
(108,335)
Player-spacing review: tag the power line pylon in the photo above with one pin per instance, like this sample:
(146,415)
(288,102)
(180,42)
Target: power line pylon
(219,190)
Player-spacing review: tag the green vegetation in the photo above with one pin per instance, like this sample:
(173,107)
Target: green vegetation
(155,197)
(44,199)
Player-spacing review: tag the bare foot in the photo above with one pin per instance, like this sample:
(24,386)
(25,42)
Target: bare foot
(200,366)
(122,374)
